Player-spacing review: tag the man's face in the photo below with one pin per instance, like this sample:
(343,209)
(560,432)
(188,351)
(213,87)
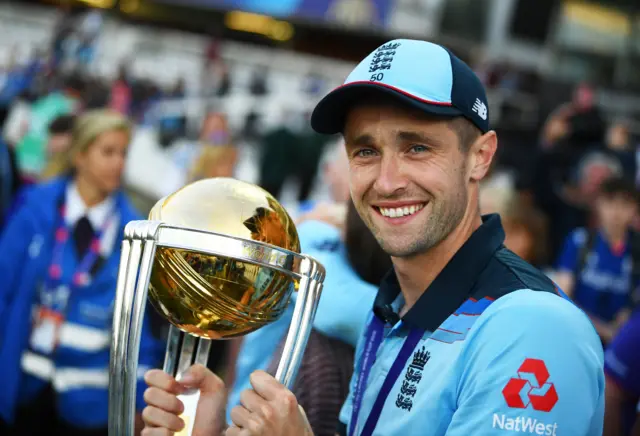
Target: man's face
(408,177)
(616,213)
(58,143)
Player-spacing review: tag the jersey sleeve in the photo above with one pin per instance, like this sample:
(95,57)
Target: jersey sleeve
(568,260)
(532,364)
(622,358)
(316,235)
(342,285)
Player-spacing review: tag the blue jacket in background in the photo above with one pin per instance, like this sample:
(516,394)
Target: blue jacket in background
(81,363)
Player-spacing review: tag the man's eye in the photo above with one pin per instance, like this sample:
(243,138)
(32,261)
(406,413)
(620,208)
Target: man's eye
(418,148)
(366,152)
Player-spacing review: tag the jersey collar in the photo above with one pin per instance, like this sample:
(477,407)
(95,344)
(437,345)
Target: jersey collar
(451,287)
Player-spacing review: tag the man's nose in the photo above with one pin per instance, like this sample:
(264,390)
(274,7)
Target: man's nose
(391,177)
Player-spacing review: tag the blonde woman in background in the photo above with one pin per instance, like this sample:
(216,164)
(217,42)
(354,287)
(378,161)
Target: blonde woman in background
(524,233)
(213,155)
(59,256)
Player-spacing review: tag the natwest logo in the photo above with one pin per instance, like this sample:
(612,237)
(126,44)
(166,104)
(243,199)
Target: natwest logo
(531,387)
(524,425)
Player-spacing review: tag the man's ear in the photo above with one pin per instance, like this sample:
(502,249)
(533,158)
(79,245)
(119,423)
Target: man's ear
(481,155)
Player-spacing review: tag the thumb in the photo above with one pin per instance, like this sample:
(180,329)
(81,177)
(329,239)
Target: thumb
(210,412)
(201,378)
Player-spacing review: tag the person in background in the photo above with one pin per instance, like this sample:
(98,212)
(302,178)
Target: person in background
(10,180)
(16,81)
(190,157)
(120,99)
(59,264)
(576,124)
(619,144)
(568,136)
(621,364)
(598,268)
(31,150)
(335,176)
(58,142)
(87,34)
(215,155)
(519,234)
(173,126)
(291,150)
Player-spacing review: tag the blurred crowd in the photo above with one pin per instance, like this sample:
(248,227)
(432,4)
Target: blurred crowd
(63,149)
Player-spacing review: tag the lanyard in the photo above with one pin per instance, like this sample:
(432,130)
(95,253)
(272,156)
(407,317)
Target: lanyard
(373,340)
(81,275)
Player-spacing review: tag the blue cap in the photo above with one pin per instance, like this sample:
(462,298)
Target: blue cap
(423,75)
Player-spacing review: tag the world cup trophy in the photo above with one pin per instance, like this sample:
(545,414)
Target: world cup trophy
(218,259)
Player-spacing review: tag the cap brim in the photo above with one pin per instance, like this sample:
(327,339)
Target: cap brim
(330,113)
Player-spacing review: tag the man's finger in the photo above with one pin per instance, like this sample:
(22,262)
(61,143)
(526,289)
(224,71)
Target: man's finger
(253,402)
(155,417)
(242,418)
(210,414)
(200,377)
(266,386)
(159,379)
(163,400)
(149,431)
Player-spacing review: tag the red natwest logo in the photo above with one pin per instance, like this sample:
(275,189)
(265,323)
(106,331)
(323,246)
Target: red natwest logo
(531,388)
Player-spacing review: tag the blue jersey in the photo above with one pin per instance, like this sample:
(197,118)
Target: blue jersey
(499,351)
(622,366)
(342,288)
(604,285)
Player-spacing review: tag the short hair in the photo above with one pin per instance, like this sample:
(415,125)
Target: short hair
(619,187)
(62,125)
(466,131)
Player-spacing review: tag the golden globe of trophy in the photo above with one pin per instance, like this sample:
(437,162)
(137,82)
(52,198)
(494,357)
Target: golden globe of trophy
(218,259)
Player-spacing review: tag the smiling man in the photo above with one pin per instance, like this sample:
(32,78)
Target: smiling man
(464,338)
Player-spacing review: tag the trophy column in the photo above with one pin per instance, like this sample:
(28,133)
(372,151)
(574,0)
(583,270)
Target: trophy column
(138,249)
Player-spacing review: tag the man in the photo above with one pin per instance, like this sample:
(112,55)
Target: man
(465,337)
(59,141)
(599,268)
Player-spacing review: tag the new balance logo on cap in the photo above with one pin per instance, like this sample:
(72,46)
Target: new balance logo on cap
(480,108)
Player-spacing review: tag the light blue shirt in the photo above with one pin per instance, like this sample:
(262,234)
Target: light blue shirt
(524,344)
(343,288)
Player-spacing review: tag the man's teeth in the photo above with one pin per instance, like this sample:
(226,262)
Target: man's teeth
(398,212)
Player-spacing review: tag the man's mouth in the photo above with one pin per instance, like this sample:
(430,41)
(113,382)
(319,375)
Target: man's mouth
(400,211)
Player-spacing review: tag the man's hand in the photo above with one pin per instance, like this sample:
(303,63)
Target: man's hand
(268,409)
(162,415)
